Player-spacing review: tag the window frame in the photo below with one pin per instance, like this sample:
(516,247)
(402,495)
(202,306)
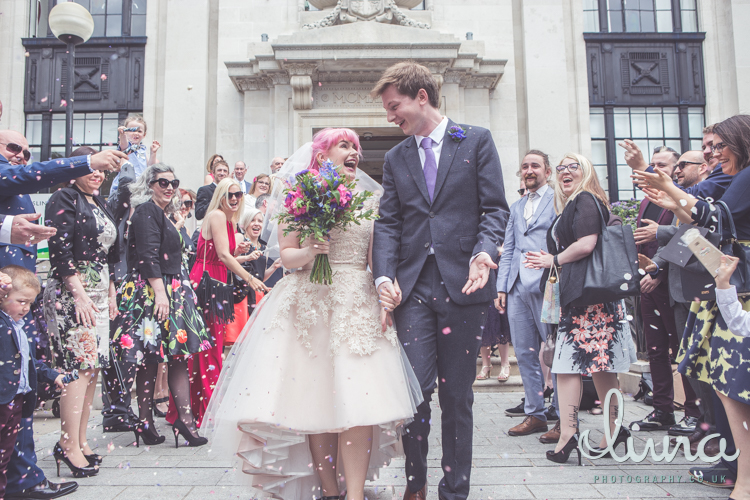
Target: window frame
(603,9)
(126,14)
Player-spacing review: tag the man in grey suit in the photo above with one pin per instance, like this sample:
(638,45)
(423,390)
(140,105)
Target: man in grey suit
(530,218)
(442,218)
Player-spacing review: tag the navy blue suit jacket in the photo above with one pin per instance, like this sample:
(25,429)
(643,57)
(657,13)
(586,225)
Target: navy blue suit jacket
(10,367)
(17,182)
(712,186)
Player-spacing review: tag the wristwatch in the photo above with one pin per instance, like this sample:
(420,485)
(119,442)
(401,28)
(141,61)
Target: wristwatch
(557,264)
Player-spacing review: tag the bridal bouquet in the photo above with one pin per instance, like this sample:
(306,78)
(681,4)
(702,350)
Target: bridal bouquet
(318,201)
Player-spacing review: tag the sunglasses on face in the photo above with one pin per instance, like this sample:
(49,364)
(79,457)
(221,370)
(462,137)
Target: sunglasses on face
(17,148)
(236,195)
(522,191)
(682,164)
(187,204)
(165,183)
(571,167)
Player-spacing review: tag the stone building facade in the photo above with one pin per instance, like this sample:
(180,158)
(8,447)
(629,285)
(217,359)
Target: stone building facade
(254,79)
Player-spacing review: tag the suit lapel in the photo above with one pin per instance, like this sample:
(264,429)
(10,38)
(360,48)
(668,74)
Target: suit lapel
(447,155)
(414,164)
(543,203)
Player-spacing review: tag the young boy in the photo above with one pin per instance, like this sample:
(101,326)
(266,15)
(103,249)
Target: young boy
(737,320)
(19,368)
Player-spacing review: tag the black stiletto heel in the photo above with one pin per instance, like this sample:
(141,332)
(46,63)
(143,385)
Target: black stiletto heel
(562,456)
(149,439)
(78,472)
(179,428)
(622,437)
(548,392)
(157,411)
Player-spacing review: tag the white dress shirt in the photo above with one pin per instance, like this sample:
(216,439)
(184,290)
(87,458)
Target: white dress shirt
(538,199)
(737,319)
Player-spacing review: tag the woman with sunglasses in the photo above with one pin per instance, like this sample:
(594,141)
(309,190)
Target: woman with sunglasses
(159,319)
(217,247)
(78,305)
(593,339)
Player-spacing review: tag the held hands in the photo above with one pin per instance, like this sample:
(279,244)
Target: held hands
(727,267)
(500,302)
(479,273)
(633,155)
(390,298)
(24,232)
(647,233)
(539,260)
(108,160)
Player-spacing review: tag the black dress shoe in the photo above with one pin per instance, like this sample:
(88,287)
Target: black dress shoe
(45,490)
(517,411)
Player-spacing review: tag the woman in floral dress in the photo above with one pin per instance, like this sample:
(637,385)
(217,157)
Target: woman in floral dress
(594,339)
(77,302)
(159,319)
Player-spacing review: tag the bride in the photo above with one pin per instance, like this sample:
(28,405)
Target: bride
(314,392)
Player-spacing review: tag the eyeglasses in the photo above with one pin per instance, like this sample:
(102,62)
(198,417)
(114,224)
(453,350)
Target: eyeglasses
(264,183)
(187,204)
(164,183)
(682,164)
(17,148)
(571,167)
(236,194)
(718,148)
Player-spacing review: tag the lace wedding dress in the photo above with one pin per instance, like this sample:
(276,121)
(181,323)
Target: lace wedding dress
(312,359)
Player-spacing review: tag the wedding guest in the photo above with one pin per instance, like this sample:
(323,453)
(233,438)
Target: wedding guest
(530,218)
(709,351)
(187,209)
(593,339)
(261,185)
(79,302)
(238,174)
(209,178)
(133,141)
(276,164)
(220,171)
(158,316)
(215,254)
(261,203)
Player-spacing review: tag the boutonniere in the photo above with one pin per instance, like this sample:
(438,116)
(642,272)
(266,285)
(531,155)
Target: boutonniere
(457,133)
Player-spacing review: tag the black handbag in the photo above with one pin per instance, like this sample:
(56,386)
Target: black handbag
(736,249)
(215,297)
(612,268)
(696,282)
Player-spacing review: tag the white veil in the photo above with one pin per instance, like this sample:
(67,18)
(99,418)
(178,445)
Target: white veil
(284,178)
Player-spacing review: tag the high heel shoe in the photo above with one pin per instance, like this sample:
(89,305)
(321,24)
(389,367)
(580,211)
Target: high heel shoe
(94,459)
(179,428)
(78,472)
(483,375)
(141,432)
(562,456)
(622,437)
(548,392)
(157,411)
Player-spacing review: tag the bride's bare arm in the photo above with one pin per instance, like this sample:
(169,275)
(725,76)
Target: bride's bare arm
(292,255)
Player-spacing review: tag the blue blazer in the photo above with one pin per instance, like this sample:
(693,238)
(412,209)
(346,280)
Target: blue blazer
(17,182)
(521,238)
(10,367)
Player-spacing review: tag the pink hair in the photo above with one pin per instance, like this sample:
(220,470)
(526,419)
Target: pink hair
(329,137)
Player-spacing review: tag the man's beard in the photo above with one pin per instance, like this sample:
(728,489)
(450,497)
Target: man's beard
(531,182)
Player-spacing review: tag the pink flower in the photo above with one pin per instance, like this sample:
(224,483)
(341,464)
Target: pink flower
(126,341)
(175,284)
(345,194)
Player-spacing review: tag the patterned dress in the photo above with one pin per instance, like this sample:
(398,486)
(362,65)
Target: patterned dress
(139,335)
(78,347)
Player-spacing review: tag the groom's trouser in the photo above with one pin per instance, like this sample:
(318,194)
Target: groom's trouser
(441,340)
(528,333)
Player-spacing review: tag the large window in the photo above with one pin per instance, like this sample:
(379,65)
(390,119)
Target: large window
(641,16)
(111,17)
(649,128)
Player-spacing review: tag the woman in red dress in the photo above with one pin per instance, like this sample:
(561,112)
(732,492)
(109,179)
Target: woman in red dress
(215,254)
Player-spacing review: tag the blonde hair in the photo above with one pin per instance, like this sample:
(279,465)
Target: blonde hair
(247,217)
(220,194)
(136,117)
(210,163)
(589,183)
(22,278)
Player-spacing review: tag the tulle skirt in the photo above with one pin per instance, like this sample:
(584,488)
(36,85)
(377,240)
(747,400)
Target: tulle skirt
(294,372)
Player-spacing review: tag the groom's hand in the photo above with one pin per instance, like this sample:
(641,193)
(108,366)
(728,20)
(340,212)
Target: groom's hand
(479,273)
(386,319)
(389,295)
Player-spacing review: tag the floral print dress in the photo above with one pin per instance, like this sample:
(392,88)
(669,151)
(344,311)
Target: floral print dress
(78,347)
(138,335)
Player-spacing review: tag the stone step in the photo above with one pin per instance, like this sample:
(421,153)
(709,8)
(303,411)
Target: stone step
(513,384)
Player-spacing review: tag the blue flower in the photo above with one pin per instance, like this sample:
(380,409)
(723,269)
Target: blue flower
(457,133)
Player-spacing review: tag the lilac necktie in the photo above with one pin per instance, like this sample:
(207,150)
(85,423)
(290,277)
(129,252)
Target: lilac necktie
(430,166)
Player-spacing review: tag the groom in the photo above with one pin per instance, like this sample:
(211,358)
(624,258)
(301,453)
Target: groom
(442,220)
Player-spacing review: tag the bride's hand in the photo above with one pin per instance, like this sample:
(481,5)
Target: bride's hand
(318,247)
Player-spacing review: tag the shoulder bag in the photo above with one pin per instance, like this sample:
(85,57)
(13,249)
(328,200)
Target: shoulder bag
(741,276)
(215,297)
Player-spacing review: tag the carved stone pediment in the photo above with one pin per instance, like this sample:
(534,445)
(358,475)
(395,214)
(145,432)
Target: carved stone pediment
(337,67)
(352,11)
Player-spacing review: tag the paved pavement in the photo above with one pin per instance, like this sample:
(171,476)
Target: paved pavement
(504,467)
